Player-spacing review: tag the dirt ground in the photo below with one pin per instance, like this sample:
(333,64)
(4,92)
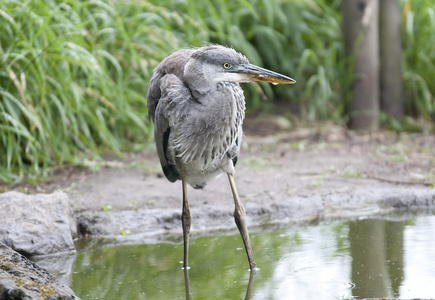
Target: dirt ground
(283,176)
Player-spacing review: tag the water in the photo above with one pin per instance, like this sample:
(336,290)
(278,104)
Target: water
(388,257)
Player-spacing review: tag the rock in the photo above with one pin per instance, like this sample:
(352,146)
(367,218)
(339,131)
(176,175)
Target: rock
(37,224)
(21,278)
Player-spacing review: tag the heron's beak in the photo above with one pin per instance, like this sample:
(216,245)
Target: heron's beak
(254,73)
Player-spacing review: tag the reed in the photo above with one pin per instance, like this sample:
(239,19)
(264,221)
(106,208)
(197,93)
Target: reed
(73,75)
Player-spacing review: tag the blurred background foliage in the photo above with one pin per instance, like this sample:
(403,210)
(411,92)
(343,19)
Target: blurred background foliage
(74,74)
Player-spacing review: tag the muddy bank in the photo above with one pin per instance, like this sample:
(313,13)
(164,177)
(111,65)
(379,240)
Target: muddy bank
(289,177)
(286,176)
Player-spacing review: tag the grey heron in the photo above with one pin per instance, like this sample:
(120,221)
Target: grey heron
(197,106)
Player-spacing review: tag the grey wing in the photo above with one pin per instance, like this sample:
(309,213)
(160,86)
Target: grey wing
(171,109)
(162,132)
(156,112)
(173,64)
(153,94)
(160,103)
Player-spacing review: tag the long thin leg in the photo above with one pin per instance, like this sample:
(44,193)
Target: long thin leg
(186,221)
(240,218)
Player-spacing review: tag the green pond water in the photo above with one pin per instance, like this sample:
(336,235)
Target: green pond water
(392,256)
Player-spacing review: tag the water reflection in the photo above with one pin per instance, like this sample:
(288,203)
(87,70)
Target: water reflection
(376,248)
(60,265)
(187,284)
(249,288)
(155,271)
(367,258)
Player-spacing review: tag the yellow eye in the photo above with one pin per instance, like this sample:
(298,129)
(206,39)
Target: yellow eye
(227,65)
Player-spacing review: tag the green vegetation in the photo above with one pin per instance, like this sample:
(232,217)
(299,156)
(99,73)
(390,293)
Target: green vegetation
(73,75)
(419,58)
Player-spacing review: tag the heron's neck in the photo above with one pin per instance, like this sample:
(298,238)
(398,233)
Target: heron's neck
(199,79)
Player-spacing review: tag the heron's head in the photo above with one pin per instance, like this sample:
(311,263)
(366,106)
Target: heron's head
(213,64)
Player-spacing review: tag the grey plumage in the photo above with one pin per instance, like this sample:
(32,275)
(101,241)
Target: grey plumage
(203,126)
(198,107)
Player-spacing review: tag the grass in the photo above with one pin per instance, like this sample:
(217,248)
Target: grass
(419,57)
(73,80)
(73,75)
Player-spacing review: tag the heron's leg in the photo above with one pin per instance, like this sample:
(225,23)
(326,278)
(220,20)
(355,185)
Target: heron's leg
(240,218)
(186,221)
